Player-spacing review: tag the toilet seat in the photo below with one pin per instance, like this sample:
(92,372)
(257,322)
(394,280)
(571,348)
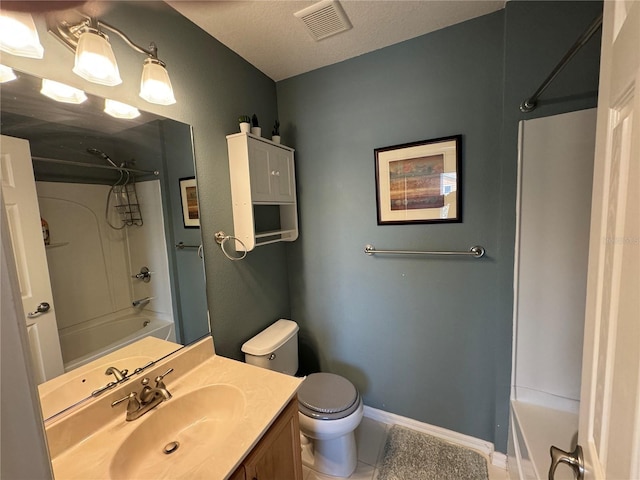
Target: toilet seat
(326,396)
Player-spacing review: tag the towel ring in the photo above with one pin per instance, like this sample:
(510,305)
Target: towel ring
(221,239)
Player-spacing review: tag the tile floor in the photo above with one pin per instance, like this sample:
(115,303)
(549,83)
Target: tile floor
(370,439)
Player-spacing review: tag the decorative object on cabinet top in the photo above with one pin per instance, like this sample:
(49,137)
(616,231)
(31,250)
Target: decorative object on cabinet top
(245,123)
(275,134)
(255,126)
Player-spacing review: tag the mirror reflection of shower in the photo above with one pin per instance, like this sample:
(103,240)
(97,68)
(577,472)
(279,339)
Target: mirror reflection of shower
(123,193)
(59,135)
(94,260)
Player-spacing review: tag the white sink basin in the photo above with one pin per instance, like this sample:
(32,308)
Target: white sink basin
(180,434)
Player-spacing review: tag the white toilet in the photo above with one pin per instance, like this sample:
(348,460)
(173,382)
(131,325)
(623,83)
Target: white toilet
(330,407)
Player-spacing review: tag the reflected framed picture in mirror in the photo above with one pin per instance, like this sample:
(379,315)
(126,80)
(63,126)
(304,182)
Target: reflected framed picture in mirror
(189,196)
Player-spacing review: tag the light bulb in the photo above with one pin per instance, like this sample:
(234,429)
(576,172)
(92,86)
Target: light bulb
(18,35)
(6,74)
(61,92)
(155,86)
(120,110)
(95,60)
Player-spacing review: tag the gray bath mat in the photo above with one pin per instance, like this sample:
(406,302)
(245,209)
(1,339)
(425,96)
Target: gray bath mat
(411,455)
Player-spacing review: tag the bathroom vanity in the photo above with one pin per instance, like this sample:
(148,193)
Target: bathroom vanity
(225,419)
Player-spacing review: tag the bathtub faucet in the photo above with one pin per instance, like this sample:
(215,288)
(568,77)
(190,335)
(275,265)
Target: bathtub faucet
(141,301)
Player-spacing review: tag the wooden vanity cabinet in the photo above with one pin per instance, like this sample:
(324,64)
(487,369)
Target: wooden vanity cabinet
(277,455)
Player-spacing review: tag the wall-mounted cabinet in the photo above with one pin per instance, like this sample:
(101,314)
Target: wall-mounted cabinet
(263,191)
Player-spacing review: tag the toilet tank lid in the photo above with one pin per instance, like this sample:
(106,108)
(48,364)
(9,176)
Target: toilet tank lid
(271,338)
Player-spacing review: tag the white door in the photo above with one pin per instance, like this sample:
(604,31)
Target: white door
(609,429)
(23,214)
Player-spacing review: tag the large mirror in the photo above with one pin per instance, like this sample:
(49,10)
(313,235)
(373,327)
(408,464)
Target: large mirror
(118,205)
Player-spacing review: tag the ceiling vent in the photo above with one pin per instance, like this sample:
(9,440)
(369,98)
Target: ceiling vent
(324,19)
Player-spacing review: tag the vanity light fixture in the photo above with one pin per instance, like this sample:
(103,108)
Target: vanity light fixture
(96,63)
(18,35)
(95,60)
(6,74)
(155,86)
(62,93)
(120,110)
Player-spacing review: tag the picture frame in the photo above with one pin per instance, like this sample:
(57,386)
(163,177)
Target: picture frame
(419,182)
(189,198)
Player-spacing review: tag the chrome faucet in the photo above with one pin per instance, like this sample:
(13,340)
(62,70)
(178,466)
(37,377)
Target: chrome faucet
(119,374)
(149,397)
(141,301)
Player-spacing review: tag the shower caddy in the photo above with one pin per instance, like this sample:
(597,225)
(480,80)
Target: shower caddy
(127,204)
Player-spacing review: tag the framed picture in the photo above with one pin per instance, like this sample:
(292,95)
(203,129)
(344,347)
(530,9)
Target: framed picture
(419,182)
(189,196)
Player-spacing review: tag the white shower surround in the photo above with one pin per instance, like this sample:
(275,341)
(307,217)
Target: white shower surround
(91,265)
(552,240)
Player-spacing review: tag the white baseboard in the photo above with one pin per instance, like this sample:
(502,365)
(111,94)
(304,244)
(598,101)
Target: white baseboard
(497,459)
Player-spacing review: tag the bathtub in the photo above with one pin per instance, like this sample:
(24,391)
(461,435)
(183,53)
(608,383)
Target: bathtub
(84,343)
(533,429)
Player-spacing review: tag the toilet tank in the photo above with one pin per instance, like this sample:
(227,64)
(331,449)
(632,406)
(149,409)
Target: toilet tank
(275,348)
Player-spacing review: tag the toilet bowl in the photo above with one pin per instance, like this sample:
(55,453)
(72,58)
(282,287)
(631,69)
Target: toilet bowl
(330,407)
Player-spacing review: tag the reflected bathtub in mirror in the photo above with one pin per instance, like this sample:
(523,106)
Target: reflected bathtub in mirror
(93,341)
(91,265)
(73,387)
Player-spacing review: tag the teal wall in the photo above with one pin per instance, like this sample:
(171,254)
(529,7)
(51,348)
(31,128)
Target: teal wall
(426,338)
(186,267)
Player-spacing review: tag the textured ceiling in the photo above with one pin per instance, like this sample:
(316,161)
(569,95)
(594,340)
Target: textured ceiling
(268,35)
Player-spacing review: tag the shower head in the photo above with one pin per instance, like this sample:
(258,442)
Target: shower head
(102,155)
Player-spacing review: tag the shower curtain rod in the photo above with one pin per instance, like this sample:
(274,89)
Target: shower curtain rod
(530,103)
(91,165)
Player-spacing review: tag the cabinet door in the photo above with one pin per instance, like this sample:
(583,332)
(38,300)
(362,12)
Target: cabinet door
(238,474)
(260,172)
(277,456)
(281,164)
(271,170)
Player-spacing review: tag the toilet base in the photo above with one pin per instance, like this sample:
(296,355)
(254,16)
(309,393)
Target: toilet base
(336,457)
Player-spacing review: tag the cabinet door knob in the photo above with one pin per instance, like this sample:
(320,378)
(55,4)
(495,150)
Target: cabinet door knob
(275,173)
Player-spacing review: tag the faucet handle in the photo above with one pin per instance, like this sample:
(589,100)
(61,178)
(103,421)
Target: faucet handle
(133,404)
(159,378)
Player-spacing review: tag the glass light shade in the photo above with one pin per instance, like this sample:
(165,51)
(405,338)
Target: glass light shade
(18,35)
(61,92)
(95,60)
(155,86)
(6,74)
(120,110)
